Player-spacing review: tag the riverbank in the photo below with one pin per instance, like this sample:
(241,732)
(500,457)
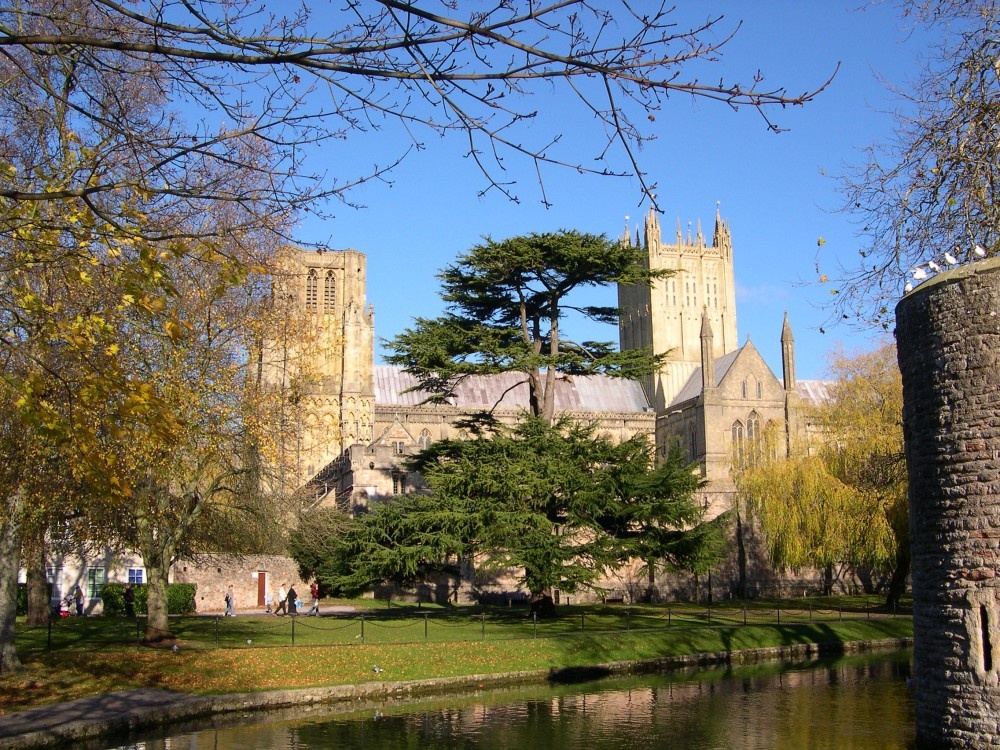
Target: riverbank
(119,713)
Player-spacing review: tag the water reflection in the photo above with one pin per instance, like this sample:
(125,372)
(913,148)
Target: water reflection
(855,703)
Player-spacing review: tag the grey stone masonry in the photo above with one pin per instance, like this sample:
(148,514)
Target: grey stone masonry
(948,341)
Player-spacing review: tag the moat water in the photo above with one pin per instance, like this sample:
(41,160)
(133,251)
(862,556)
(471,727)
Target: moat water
(852,703)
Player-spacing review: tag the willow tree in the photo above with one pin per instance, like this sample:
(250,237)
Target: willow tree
(843,500)
(507,301)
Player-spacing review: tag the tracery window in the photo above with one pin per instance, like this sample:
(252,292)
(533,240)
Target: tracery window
(312,289)
(424,441)
(755,437)
(329,292)
(738,445)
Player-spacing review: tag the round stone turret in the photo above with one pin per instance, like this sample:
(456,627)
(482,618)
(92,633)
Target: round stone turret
(948,339)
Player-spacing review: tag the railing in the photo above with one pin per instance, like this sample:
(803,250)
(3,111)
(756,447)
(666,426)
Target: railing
(409,625)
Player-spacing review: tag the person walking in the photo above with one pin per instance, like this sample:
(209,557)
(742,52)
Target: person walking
(129,597)
(230,602)
(292,596)
(78,598)
(281,607)
(314,595)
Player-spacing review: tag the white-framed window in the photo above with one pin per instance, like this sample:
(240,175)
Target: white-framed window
(136,576)
(398,484)
(397,447)
(95,582)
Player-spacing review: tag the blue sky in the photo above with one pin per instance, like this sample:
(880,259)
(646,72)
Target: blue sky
(779,192)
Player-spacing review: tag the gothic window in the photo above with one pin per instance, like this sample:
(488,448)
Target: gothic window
(329,292)
(424,441)
(738,446)
(692,442)
(755,437)
(743,390)
(760,390)
(312,289)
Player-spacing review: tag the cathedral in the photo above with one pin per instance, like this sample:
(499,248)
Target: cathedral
(713,398)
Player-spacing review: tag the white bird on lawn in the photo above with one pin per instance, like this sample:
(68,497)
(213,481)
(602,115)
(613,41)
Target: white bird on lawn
(950,259)
(377,669)
(979,251)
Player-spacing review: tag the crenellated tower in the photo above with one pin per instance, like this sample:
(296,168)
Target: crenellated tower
(669,315)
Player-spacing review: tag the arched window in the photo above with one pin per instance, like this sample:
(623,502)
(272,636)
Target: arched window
(738,444)
(692,442)
(329,292)
(760,390)
(755,437)
(424,441)
(312,289)
(743,390)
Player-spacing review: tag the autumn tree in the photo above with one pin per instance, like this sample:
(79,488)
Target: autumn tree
(843,502)
(506,303)
(932,188)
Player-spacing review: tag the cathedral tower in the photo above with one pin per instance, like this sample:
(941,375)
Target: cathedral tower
(324,353)
(669,316)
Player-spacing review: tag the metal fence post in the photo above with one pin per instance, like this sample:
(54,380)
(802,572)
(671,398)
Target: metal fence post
(534,625)
(744,614)
(362,629)
(581,622)
(628,621)
(216,632)
(484,626)
(293,631)
(425,626)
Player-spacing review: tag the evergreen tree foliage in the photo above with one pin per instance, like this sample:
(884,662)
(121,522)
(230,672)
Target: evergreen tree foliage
(556,505)
(506,303)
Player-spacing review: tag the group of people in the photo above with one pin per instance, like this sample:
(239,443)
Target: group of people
(288,601)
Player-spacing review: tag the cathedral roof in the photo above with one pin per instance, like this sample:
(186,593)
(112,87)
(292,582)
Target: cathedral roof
(813,392)
(692,388)
(575,393)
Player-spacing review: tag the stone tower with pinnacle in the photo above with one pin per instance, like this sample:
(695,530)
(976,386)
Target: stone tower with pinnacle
(669,315)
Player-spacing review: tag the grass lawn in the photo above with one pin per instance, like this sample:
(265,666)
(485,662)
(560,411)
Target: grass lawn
(88,656)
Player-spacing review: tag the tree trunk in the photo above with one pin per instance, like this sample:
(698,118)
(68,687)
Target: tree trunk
(39,604)
(828,579)
(897,584)
(741,559)
(10,560)
(157,606)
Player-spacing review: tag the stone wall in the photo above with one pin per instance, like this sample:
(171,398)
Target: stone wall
(214,573)
(948,336)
